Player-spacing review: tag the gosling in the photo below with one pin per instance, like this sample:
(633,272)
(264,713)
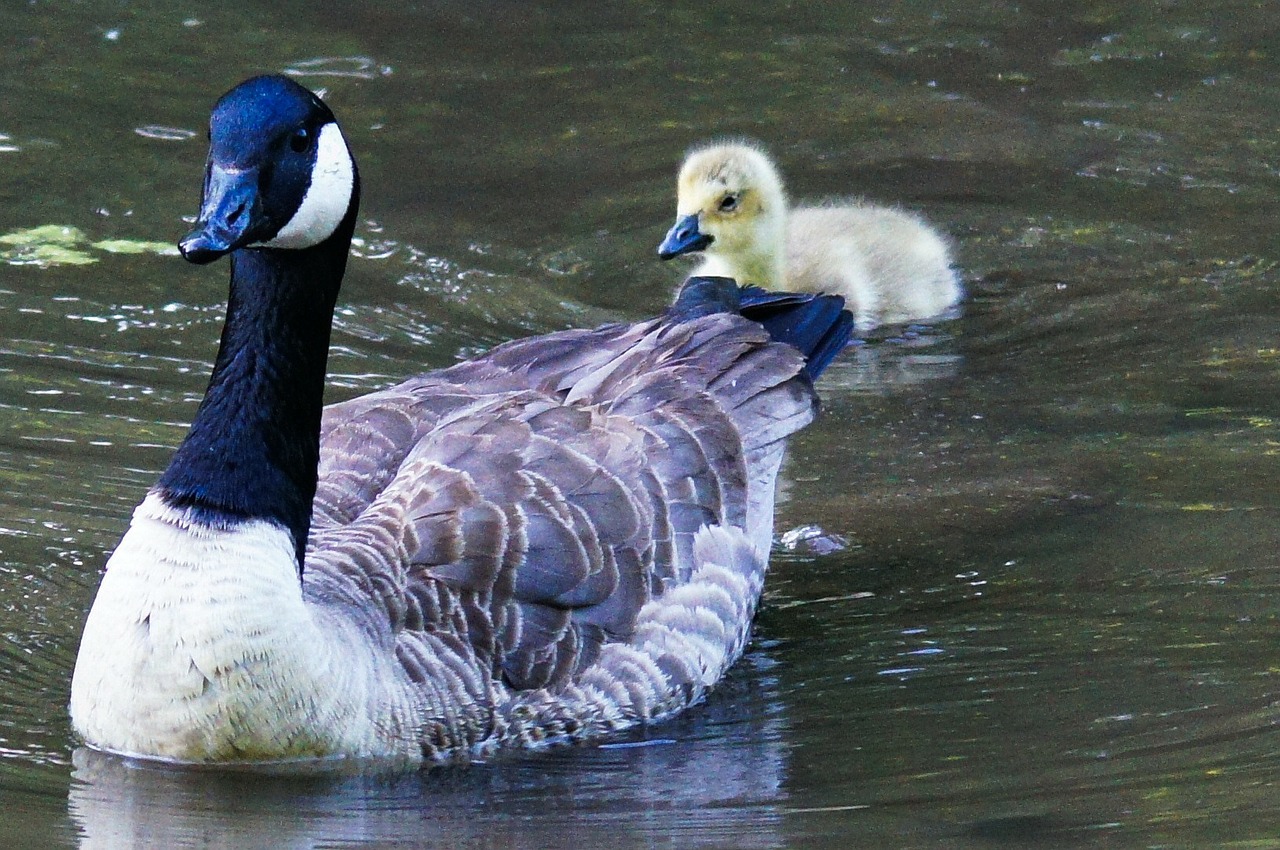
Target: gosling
(889,264)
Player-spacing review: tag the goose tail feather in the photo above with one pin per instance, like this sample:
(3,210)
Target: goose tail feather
(817,325)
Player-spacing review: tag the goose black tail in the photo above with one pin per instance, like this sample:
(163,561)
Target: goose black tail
(818,325)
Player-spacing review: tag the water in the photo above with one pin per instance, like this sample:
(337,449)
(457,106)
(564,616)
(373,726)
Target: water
(1027,597)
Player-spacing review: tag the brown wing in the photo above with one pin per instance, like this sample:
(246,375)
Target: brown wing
(512,515)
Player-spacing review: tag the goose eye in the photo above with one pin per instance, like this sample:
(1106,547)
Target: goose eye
(300,140)
(728,203)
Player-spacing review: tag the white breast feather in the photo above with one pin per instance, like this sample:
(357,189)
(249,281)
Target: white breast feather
(183,657)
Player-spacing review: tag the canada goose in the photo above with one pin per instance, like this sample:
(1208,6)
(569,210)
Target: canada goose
(889,264)
(558,539)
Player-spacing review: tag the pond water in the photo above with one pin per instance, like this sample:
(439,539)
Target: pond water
(1024,588)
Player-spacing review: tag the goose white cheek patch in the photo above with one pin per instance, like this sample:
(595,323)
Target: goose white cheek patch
(327,198)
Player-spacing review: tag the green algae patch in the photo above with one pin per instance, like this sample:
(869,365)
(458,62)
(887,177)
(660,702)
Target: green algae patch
(63,245)
(136,246)
(47,245)
(48,234)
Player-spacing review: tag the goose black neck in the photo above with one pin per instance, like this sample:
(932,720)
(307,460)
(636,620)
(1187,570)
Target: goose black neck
(253,448)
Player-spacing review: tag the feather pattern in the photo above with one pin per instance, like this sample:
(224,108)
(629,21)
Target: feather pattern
(571,511)
(559,539)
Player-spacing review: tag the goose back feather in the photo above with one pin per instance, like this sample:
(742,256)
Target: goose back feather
(611,542)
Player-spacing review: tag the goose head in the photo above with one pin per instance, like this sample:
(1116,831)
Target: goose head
(279,173)
(281,194)
(731,206)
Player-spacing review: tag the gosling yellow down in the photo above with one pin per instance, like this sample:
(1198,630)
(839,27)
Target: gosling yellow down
(889,264)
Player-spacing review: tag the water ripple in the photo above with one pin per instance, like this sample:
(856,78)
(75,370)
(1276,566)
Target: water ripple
(164,134)
(359,67)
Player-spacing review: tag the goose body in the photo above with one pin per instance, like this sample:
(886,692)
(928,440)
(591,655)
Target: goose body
(558,539)
(888,264)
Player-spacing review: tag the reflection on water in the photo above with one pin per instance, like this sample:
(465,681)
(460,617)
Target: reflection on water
(714,780)
(1025,588)
(919,357)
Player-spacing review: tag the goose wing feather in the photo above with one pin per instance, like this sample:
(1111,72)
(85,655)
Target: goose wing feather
(519,511)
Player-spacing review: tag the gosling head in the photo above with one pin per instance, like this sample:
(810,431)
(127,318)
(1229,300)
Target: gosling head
(731,206)
(279,173)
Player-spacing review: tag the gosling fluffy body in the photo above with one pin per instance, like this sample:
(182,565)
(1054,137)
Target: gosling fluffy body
(731,206)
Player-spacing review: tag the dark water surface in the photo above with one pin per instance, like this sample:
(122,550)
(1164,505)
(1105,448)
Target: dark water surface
(1024,589)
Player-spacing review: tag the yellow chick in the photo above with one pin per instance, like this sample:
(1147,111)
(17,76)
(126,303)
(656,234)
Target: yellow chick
(889,264)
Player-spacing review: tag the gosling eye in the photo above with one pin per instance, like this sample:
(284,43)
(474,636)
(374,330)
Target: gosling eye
(728,203)
(300,141)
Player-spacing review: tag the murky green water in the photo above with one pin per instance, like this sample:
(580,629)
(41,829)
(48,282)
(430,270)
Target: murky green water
(1028,594)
